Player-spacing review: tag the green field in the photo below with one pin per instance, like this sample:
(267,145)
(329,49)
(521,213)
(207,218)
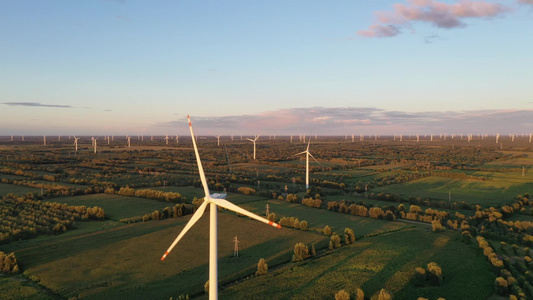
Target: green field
(117,207)
(319,218)
(124,262)
(386,261)
(16,189)
(502,188)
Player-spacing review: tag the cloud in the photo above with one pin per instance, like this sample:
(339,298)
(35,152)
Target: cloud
(359,120)
(35,104)
(438,14)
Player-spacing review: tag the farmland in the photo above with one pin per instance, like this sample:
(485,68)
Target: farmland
(408,204)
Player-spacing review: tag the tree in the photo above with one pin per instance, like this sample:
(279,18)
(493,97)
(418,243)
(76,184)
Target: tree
(335,242)
(8,263)
(262,267)
(420,276)
(359,294)
(342,295)
(500,286)
(466,237)
(349,236)
(272,217)
(384,295)
(206,287)
(434,274)
(327,230)
(303,225)
(436,226)
(301,252)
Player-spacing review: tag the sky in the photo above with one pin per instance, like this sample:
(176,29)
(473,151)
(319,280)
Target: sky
(266,67)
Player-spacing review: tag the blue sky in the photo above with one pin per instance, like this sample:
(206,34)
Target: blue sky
(266,67)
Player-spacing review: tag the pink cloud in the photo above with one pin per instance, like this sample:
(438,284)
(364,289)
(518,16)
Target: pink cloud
(439,14)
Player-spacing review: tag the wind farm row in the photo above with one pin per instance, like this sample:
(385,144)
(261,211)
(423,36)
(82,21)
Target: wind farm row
(348,215)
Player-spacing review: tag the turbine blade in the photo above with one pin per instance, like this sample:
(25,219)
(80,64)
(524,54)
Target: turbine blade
(228,205)
(250,140)
(308,143)
(191,222)
(313,157)
(200,168)
(299,153)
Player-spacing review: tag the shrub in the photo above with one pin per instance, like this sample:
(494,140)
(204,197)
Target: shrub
(8,263)
(420,276)
(335,242)
(303,226)
(384,295)
(301,252)
(434,274)
(327,230)
(466,237)
(500,286)
(342,295)
(436,226)
(246,190)
(349,236)
(262,267)
(359,294)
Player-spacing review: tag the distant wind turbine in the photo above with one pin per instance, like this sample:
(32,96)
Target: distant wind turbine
(218,140)
(307,154)
(213,201)
(94,144)
(76,143)
(129,140)
(253,141)
(44,140)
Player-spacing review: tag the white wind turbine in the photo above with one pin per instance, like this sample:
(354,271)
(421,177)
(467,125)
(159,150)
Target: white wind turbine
(76,143)
(44,140)
(129,140)
(307,154)
(253,141)
(213,201)
(94,143)
(218,140)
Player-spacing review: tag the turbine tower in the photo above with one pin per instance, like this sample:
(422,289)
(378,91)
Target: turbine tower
(218,140)
(129,140)
(76,143)
(253,141)
(213,201)
(307,154)
(94,143)
(44,140)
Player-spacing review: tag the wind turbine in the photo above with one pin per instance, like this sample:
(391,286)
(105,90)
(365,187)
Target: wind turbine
(129,140)
(44,140)
(76,142)
(166,139)
(213,200)
(253,141)
(218,140)
(94,143)
(307,154)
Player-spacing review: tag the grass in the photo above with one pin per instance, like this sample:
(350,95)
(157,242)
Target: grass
(117,207)
(17,287)
(319,218)
(502,188)
(386,261)
(124,262)
(16,189)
